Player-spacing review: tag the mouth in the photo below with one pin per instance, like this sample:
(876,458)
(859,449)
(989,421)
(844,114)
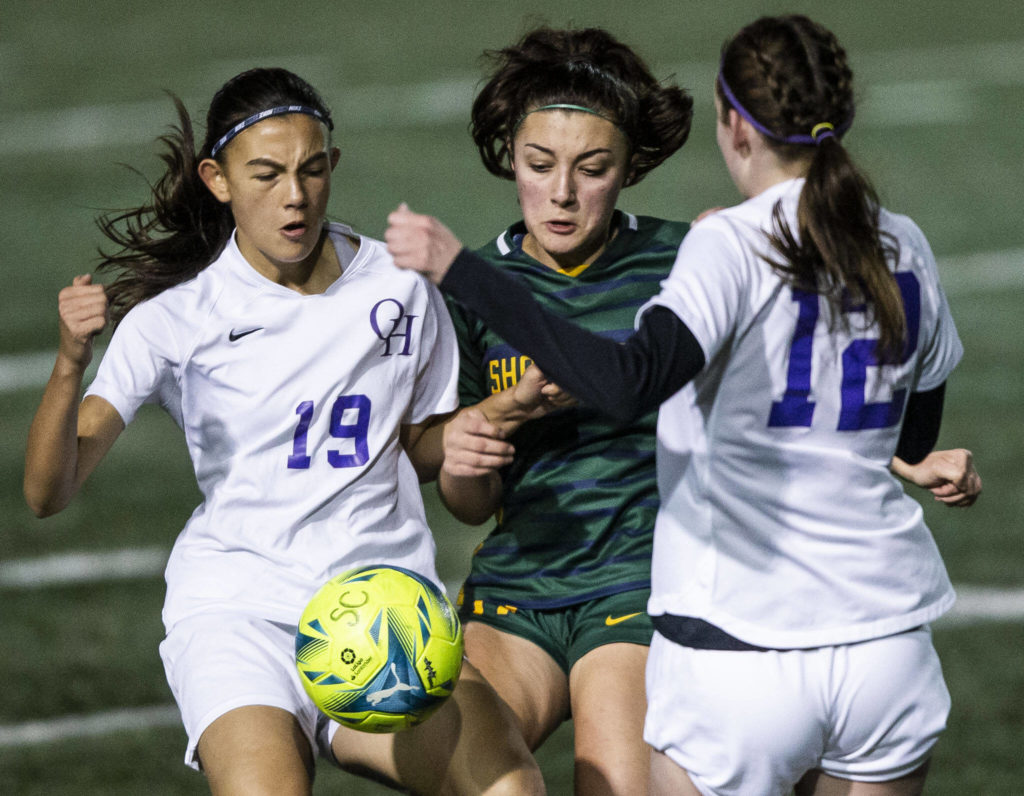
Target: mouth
(295,230)
(561,227)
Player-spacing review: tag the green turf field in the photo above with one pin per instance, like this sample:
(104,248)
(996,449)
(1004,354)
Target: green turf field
(941,88)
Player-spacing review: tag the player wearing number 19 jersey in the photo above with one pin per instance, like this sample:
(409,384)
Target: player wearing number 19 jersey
(291,406)
(579,502)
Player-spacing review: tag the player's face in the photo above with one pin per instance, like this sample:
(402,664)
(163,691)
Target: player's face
(276,176)
(569,167)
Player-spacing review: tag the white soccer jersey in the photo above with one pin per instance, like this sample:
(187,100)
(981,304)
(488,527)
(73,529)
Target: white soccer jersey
(780,521)
(291,406)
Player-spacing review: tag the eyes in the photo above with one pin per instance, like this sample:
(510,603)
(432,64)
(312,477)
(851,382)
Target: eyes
(587,169)
(310,172)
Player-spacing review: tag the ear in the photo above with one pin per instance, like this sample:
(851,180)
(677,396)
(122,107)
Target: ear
(335,156)
(212,175)
(741,133)
(510,151)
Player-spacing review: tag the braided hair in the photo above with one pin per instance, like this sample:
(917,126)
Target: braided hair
(791,75)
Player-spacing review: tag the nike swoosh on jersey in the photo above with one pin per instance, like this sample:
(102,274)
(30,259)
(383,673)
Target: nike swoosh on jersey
(614,620)
(233,335)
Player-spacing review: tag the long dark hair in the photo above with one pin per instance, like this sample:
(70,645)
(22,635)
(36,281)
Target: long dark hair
(183,228)
(792,75)
(581,67)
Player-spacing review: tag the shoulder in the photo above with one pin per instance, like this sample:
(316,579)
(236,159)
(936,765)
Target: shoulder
(504,246)
(661,229)
(373,273)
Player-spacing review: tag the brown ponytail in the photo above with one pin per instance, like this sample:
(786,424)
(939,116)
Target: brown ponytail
(791,75)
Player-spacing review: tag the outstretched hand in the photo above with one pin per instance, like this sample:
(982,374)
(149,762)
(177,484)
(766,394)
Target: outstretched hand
(84,313)
(421,243)
(950,475)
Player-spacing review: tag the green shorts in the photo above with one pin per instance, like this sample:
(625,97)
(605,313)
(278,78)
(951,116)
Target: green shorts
(569,633)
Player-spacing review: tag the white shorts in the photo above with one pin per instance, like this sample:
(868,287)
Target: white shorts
(218,662)
(756,722)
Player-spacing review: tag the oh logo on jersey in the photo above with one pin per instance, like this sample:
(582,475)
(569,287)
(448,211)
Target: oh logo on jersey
(390,323)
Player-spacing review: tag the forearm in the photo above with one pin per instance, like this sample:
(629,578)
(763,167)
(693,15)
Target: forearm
(51,455)
(470,499)
(622,381)
(424,444)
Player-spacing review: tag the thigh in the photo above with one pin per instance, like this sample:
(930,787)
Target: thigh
(669,779)
(256,750)
(223,662)
(524,675)
(608,706)
(817,783)
(470,746)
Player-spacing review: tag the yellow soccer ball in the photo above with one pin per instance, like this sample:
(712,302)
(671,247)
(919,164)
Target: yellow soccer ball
(379,648)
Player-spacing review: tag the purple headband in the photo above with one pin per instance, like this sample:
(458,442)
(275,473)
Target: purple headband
(259,117)
(819,132)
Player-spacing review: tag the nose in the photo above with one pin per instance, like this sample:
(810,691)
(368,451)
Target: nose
(295,191)
(564,188)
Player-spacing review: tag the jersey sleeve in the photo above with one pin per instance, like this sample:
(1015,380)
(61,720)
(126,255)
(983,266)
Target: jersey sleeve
(140,365)
(438,368)
(706,287)
(468,330)
(940,346)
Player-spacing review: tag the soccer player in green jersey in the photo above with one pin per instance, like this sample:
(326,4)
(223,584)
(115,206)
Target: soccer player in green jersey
(555,604)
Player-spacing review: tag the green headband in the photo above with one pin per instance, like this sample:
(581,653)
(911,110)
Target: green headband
(564,106)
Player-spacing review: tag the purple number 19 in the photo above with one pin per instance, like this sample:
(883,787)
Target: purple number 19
(796,407)
(343,426)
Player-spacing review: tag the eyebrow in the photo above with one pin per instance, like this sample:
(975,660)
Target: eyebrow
(581,156)
(273,164)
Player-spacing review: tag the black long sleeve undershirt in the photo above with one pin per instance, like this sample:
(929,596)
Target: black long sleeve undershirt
(621,380)
(624,380)
(921,422)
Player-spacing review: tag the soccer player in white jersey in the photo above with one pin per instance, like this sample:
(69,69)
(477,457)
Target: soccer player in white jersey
(305,371)
(801,342)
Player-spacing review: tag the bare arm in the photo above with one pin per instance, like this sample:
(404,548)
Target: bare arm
(950,475)
(66,441)
(475,446)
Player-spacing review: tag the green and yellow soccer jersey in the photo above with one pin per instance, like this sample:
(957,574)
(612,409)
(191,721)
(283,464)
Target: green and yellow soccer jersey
(577,517)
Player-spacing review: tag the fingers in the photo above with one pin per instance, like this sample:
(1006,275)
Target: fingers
(83,308)
(959,483)
(473,446)
(420,243)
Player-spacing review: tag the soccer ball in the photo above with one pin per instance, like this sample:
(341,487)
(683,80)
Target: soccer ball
(379,648)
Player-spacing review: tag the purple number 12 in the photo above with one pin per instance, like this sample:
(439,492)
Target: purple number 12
(797,409)
(356,430)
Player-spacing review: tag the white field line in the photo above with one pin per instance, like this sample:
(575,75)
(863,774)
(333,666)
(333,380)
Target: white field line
(961,275)
(920,97)
(974,604)
(89,725)
(76,568)
(68,569)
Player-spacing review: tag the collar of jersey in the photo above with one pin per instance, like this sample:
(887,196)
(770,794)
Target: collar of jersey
(249,274)
(511,242)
